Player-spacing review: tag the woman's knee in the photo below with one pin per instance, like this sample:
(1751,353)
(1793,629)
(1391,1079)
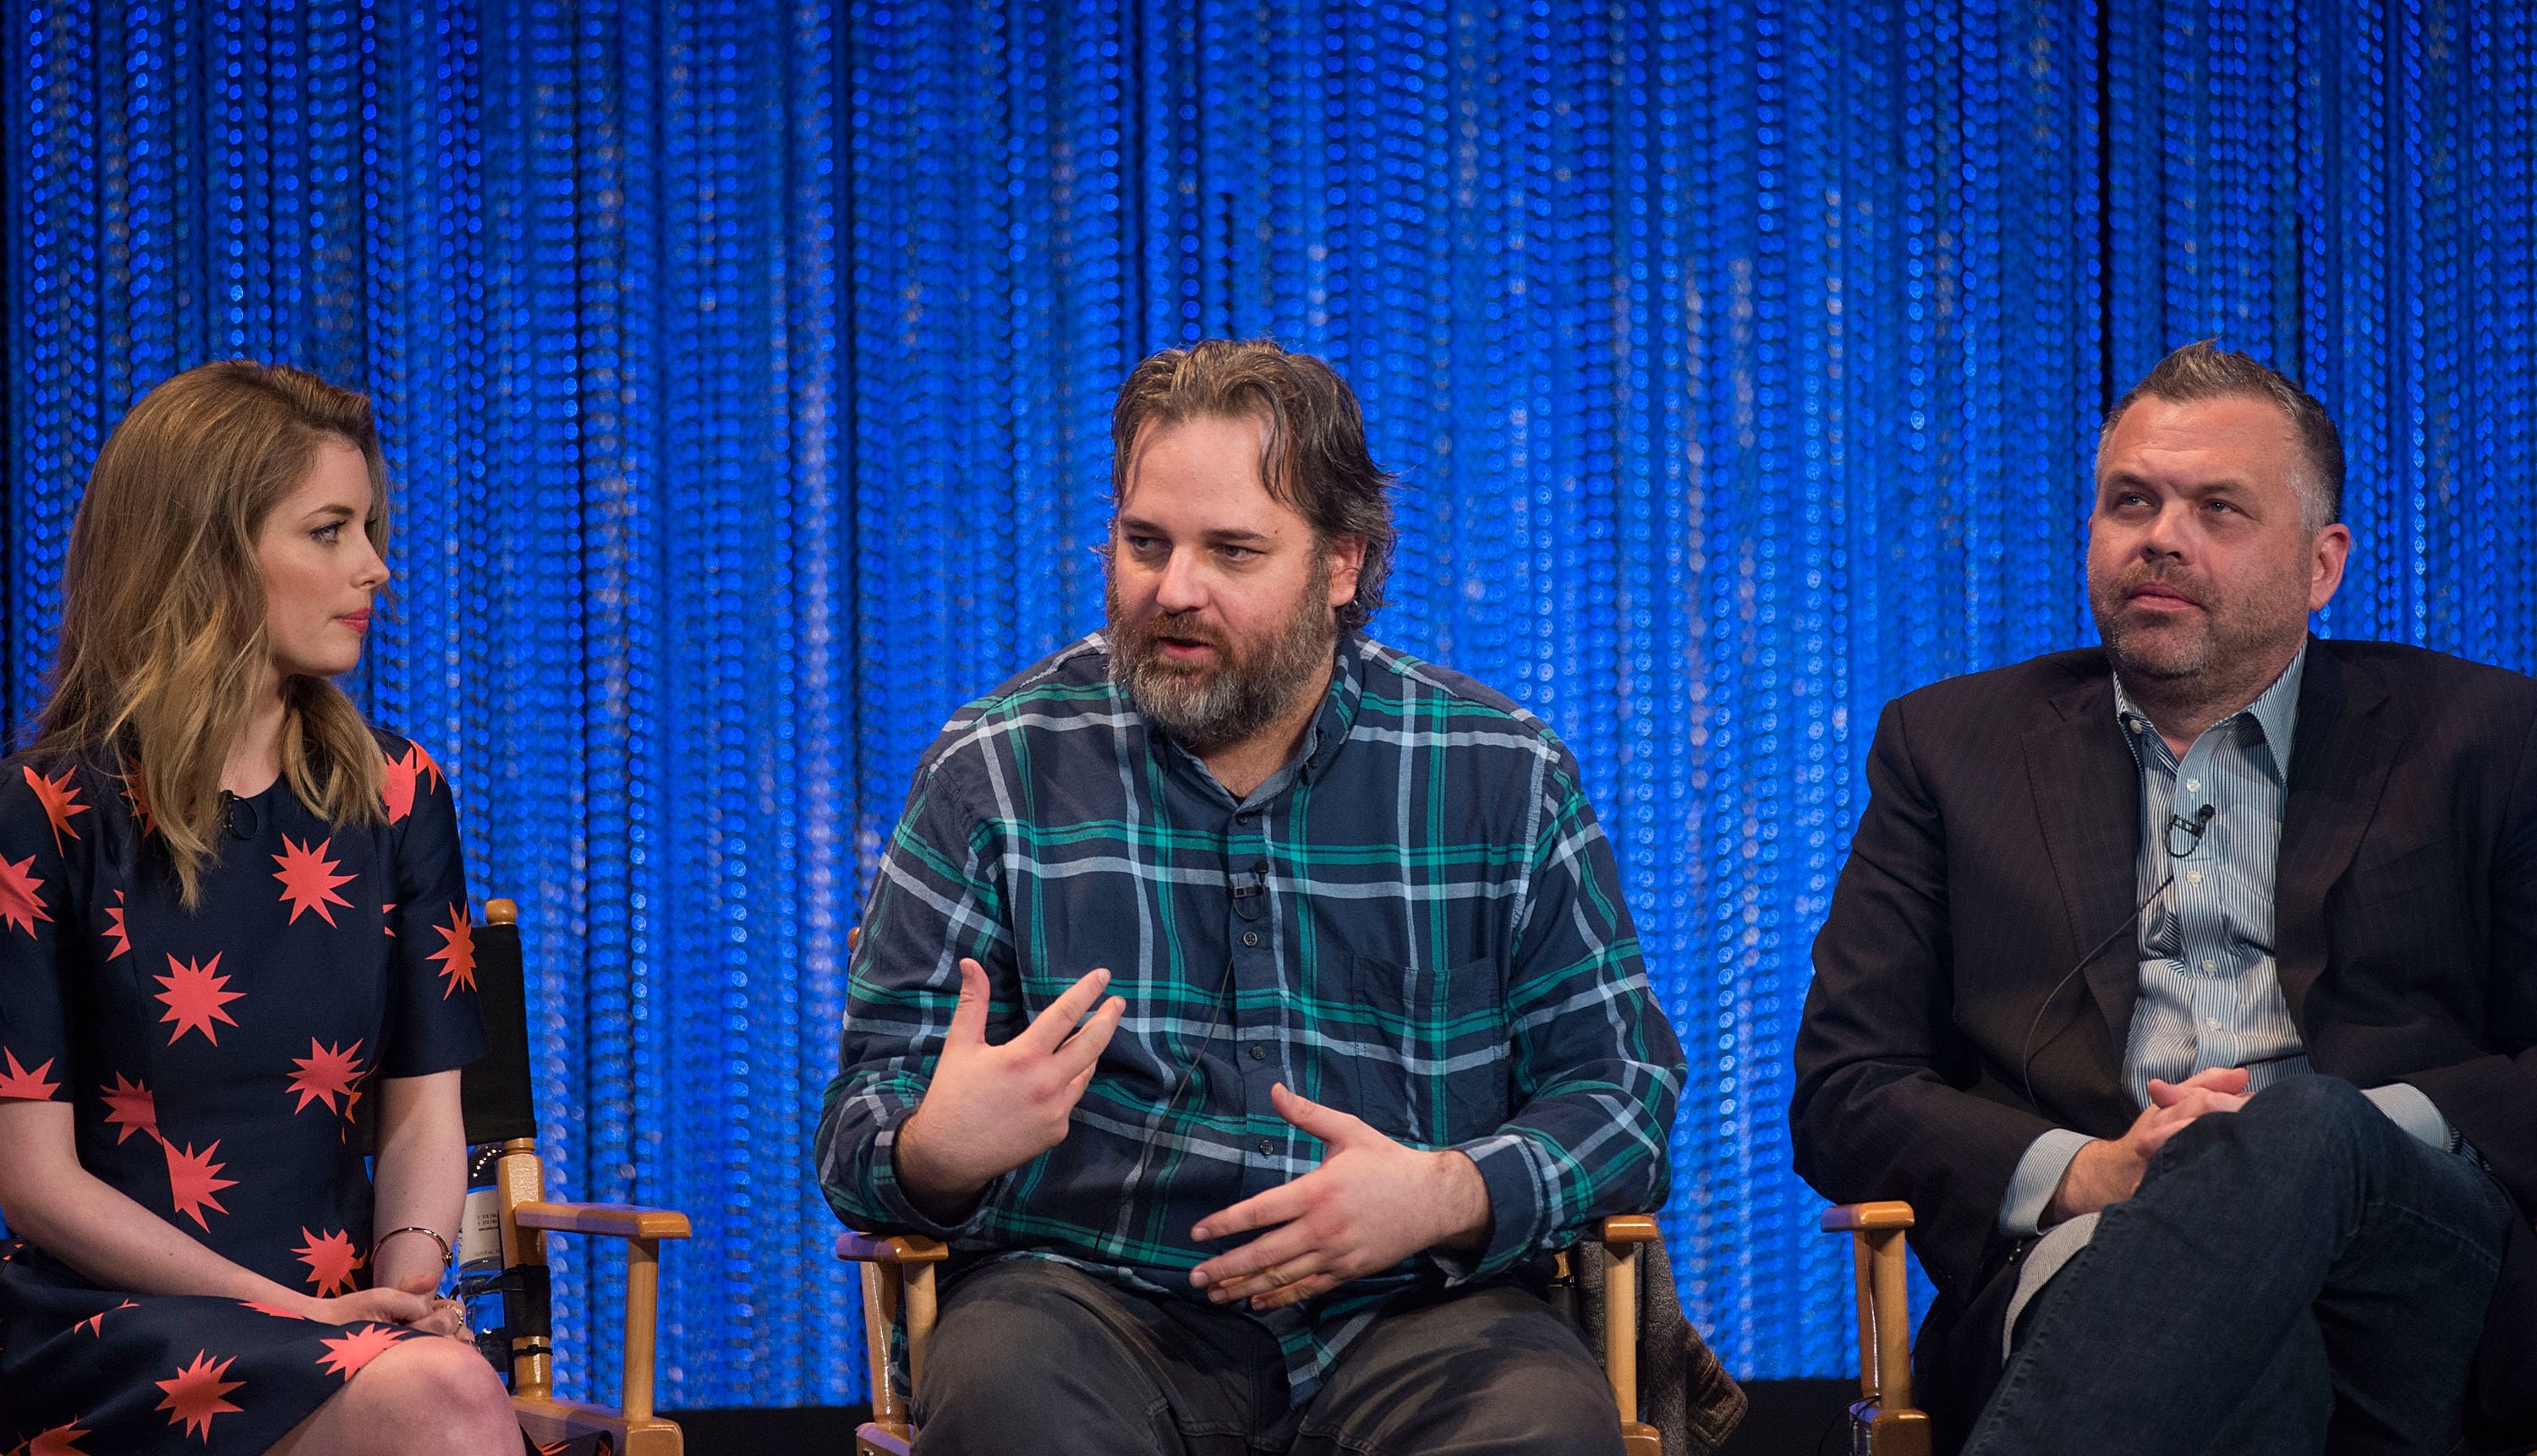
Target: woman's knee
(431,1382)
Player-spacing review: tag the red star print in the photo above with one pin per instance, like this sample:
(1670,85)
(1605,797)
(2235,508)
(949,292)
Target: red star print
(309,880)
(195,998)
(136,793)
(60,799)
(115,930)
(130,1108)
(403,775)
(195,1394)
(351,1100)
(94,1324)
(326,1073)
(21,894)
(193,1177)
(18,1082)
(331,1260)
(457,953)
(54,1442)
(346,1357)
(276,1311)
(387,919)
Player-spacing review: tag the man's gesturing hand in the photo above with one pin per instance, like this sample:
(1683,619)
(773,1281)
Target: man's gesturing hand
(990,1109)
(2105,1173)
(1371,1204)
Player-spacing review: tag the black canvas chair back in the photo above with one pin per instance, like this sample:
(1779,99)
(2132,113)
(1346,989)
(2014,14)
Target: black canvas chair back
(500,1103)
(501,1113)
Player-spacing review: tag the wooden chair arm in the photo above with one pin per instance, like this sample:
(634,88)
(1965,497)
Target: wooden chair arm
(615,1219)
(1893,1426)
(1847,1218)
(642,1228)
(1629,1229)
(902,1248)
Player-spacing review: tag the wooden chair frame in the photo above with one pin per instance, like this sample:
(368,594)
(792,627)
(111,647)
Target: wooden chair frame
(1883,1422)
(898,1286)
(527,1219)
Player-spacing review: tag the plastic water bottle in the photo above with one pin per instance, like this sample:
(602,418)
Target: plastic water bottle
(480,1259)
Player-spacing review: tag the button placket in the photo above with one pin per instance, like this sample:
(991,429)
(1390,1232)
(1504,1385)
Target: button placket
(1252,943)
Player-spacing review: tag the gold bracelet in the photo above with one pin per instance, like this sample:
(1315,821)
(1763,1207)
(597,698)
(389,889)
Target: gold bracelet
(431,1234)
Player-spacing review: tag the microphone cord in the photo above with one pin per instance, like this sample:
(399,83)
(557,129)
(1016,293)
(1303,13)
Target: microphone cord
(2028,1048)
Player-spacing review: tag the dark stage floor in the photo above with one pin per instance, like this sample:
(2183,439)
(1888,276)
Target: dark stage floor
(1789,1417)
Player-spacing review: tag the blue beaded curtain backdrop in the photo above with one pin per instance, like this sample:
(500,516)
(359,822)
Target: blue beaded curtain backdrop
(744,371)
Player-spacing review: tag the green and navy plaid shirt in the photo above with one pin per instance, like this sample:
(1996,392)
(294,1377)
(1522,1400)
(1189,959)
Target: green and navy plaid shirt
(1417,921)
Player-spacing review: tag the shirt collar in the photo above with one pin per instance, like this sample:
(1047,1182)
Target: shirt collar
(1337,718)
(2274,714)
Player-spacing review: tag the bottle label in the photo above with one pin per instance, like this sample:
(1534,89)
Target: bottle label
(480,1230)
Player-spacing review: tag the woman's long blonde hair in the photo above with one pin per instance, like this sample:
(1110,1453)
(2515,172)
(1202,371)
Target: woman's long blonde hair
(163,646)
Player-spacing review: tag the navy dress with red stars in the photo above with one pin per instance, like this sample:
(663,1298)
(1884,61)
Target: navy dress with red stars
(216,1062)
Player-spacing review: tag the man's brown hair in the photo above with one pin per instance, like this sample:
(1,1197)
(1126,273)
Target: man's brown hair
(1313,459)
(2203,370)
(163,647)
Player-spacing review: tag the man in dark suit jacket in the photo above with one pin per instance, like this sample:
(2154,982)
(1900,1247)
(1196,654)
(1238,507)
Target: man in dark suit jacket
(2210,1076)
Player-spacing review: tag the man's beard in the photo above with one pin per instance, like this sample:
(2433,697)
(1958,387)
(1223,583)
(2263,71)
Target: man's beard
(1243,689)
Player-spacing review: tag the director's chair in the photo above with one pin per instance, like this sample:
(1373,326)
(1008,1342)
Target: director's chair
(898,1286)
(899,1298)
(500,1109)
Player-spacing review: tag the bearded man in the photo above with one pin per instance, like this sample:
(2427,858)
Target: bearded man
(1251,1006)
(2187,988)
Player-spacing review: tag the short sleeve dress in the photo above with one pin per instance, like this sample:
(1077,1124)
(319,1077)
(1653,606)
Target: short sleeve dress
(215,1061)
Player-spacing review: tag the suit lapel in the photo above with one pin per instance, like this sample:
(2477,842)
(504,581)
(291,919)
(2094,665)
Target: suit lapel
(2345,742)
(2087,799)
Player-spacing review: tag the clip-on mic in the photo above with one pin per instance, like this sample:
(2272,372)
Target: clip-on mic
(1250,899)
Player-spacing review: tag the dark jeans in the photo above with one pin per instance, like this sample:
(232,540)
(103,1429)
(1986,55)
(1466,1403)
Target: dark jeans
(1038,1358)
(2300,1276)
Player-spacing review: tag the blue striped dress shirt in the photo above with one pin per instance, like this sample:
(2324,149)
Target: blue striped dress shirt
(2209,994)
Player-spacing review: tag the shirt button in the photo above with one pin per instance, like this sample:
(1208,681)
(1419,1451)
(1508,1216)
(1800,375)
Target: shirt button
(1258,1052)
(2210,964)
(2193,876)
(2193,785)
(1250,937)
(1266,1147)
(2211,1021)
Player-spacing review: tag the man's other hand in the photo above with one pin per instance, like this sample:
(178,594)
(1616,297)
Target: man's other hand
(990,1109)
(1371,1204)
(2108,1171)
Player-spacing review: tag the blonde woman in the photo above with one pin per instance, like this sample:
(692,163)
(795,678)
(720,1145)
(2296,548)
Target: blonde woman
(233,927)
